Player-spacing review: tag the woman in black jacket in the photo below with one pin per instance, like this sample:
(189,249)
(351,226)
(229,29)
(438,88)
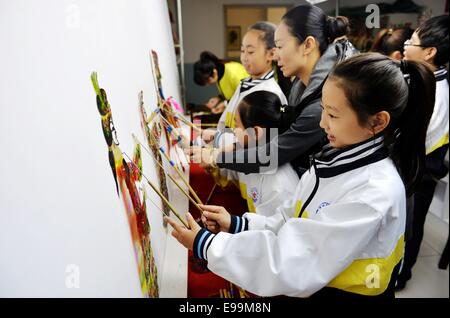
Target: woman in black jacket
(306,49)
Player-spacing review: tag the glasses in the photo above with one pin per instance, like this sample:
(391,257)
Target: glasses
(409,43)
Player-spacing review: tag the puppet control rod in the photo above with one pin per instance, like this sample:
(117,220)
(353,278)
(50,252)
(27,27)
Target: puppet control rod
(169,175)
(159,193)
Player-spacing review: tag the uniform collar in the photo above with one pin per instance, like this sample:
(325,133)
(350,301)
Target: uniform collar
(331,161)
(440,74)
(248,82)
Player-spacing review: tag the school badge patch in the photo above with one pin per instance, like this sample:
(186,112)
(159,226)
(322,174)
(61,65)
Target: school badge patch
(254,194)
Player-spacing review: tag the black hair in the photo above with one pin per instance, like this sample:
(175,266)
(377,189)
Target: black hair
(338,26)
(264,109)
(388,40)
(372,83)
(307,20)
(434,33)
(268,32)
(204,68)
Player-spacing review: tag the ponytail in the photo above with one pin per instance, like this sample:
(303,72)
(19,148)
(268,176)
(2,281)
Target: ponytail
(406,90)
(307,20)
(408,149)
(337,27)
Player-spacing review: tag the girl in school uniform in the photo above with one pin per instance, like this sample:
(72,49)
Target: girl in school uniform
(227,75)
(341,234)
(256,114)
(257,56)
(429,43)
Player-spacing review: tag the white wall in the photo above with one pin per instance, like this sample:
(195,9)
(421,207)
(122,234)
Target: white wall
(203,20)
(58,203)
(203,25)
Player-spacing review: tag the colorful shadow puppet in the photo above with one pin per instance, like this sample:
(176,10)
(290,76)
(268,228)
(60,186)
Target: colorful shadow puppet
(127,178)
(153,136)
(167,115)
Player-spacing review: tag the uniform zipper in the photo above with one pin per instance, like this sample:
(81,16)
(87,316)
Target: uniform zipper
(316,186)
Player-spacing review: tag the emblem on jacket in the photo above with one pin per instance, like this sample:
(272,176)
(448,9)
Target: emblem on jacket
(254,194)
(322,205)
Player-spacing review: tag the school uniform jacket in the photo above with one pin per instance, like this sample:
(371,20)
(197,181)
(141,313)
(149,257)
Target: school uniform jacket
(233,73)
(266,83)
(342,229)
(264,193)
(437,133)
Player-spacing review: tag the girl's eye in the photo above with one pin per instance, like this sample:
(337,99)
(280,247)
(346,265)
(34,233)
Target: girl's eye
(250,52)
(331,116)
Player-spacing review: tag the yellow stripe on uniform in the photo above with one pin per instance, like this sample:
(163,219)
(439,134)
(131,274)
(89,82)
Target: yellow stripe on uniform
(298,207)
(440,143)
(370,276)
(229,120)
(244,194)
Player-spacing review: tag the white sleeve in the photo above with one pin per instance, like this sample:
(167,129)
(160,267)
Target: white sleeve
(301,259)
(273,199)
(283,211)
(224,139)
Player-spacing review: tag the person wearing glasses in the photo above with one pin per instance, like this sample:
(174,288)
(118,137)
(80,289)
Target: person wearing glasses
(429,43)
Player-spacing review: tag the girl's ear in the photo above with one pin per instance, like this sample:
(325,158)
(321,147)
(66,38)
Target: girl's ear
(396,55)
(379,122)
(271,53)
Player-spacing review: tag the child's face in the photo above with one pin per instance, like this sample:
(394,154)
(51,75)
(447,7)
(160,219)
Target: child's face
(255,57)
(415,52)
(289,53)
(216,105)
(339,120)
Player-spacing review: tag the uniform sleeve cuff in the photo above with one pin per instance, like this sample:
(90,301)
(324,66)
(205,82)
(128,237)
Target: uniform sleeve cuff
(216,142)
(202,242)
(238,224)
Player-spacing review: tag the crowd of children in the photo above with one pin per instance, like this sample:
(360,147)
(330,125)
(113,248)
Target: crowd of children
(360,142)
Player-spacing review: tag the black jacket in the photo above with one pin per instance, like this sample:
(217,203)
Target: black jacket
(304,135)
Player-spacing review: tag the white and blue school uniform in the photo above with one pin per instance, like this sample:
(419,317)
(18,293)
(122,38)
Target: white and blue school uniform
(266,83)
(437,133)
(266,192)
(341,230)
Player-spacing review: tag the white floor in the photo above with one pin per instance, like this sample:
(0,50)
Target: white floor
(428,281)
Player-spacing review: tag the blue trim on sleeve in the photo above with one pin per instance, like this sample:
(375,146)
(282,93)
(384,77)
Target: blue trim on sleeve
(217,136)
(238,224)
(202,237)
